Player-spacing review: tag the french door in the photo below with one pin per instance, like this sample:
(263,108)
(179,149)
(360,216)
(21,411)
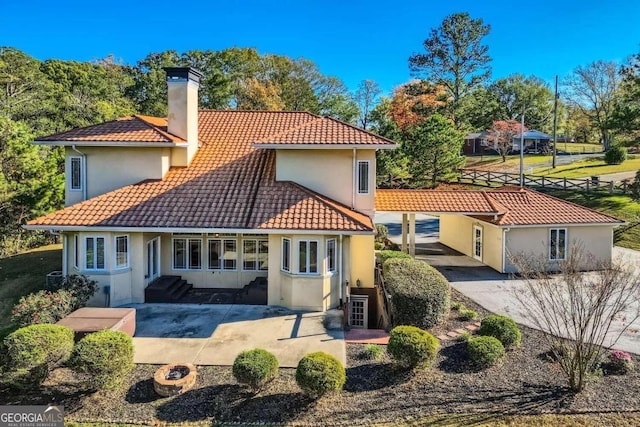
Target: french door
(477,242)
(153,260)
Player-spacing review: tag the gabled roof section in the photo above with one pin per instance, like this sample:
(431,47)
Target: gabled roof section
(136,129)
(509,206)
(324,131)
(228,185)
(437,201)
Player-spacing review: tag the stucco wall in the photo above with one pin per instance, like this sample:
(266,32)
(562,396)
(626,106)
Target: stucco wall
(330,173)
(110,168)
(456,231)
(361,261)
(596,240)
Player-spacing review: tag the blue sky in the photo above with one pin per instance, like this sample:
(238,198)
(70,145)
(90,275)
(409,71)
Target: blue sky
(351,39)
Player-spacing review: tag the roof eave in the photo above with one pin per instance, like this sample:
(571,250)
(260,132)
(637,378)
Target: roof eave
(324,146)
(111,143)
(579,224)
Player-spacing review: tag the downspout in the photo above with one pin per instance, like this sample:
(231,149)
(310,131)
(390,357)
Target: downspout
(355,184)
(65,254)
(84,171)
(340,272)
(504,248)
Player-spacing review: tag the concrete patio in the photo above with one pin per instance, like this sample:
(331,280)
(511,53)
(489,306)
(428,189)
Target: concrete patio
(215,334)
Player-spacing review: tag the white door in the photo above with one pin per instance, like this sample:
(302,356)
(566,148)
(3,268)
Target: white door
(477,242)
(153,260)
(358,313)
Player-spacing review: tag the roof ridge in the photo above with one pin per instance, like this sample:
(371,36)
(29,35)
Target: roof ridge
(495,205)
(84,127)
(335,205)
(291,129)
(359,129)
(217,110)
(153,127)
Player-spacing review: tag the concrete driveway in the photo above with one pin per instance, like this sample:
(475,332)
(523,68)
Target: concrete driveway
(496,293)
(214,334)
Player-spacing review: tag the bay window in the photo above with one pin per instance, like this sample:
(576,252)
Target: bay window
(308,256)
(94,253)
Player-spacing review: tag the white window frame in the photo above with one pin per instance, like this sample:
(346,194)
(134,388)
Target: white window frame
(221,255)
(308,257)
(257,243)
(76,251)
(285,255)
(115,251)
(80,163)
(557,246)
(368,179)
(95,253)
(335,255)
(187,241)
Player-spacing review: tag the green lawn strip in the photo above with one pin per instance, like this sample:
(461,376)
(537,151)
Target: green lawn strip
(579,147)
(619,206)
(512,161)
(588,167)
(22,274)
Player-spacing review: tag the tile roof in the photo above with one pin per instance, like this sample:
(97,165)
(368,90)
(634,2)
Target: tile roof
(435,201)
(325,131)
(136,129)
(511,206)
(229,184)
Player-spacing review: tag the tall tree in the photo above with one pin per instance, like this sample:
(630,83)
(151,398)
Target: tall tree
(516,94)
(501,135)
(455,57)
(593,89)
(413,102)
(366,96)
(626,115)
(433,149)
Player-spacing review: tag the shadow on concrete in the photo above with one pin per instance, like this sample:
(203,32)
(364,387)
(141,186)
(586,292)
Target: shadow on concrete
(470,274)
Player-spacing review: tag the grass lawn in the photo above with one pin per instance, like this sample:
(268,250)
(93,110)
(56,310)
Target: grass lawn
(495,162)
(588,167)
(579,147)
(22,274)
(619,206)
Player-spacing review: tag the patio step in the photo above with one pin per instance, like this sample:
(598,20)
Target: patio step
(166,289)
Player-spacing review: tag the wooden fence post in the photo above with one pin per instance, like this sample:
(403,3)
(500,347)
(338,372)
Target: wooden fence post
(610,187)
(564,184)
(588,183)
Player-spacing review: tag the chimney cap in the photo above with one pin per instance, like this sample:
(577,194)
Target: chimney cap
(186,73)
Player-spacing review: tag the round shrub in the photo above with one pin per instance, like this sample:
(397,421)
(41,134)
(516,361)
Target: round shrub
(320,373)
(484,351)
(106,357)
(620,362)
(467,314)
(42,307)
(420,295)
(33,351)
(503,328)
(615,155)
(255,368)
(411,347)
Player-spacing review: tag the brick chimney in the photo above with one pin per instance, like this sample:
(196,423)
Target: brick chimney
(182,85)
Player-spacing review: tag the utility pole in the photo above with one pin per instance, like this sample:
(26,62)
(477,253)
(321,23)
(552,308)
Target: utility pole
(522,149)
(555,123)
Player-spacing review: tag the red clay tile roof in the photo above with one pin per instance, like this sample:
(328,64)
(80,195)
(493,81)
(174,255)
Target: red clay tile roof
(436,201)
(229,184)
(326,131)
(513,206)
(136,128)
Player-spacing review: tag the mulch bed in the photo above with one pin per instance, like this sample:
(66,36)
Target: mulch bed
(525,383)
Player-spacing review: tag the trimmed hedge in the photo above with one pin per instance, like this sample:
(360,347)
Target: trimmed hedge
(503,328)
(33,351)
(255,368)
(320,373)
(383,256)
(105,357)
(411,347)
(420,295)
(484,351)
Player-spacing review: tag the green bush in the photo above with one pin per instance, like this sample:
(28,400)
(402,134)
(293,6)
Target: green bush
(484,351)
(412,347)
(255,368)
(383,256)
(320,373)
(33,351)
(615,155)
(105,357)
(467,314)
(42,307)
(420,295)
(457,306)
(464,337)
(502,328)
(378,246)
(382,233)
(80,287)
(372,352)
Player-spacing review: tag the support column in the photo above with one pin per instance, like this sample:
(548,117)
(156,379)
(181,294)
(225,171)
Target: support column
(404,232)
(412,234)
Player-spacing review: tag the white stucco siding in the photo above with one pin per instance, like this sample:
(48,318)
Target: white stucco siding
(110,168)
(597,240)
(330,173)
